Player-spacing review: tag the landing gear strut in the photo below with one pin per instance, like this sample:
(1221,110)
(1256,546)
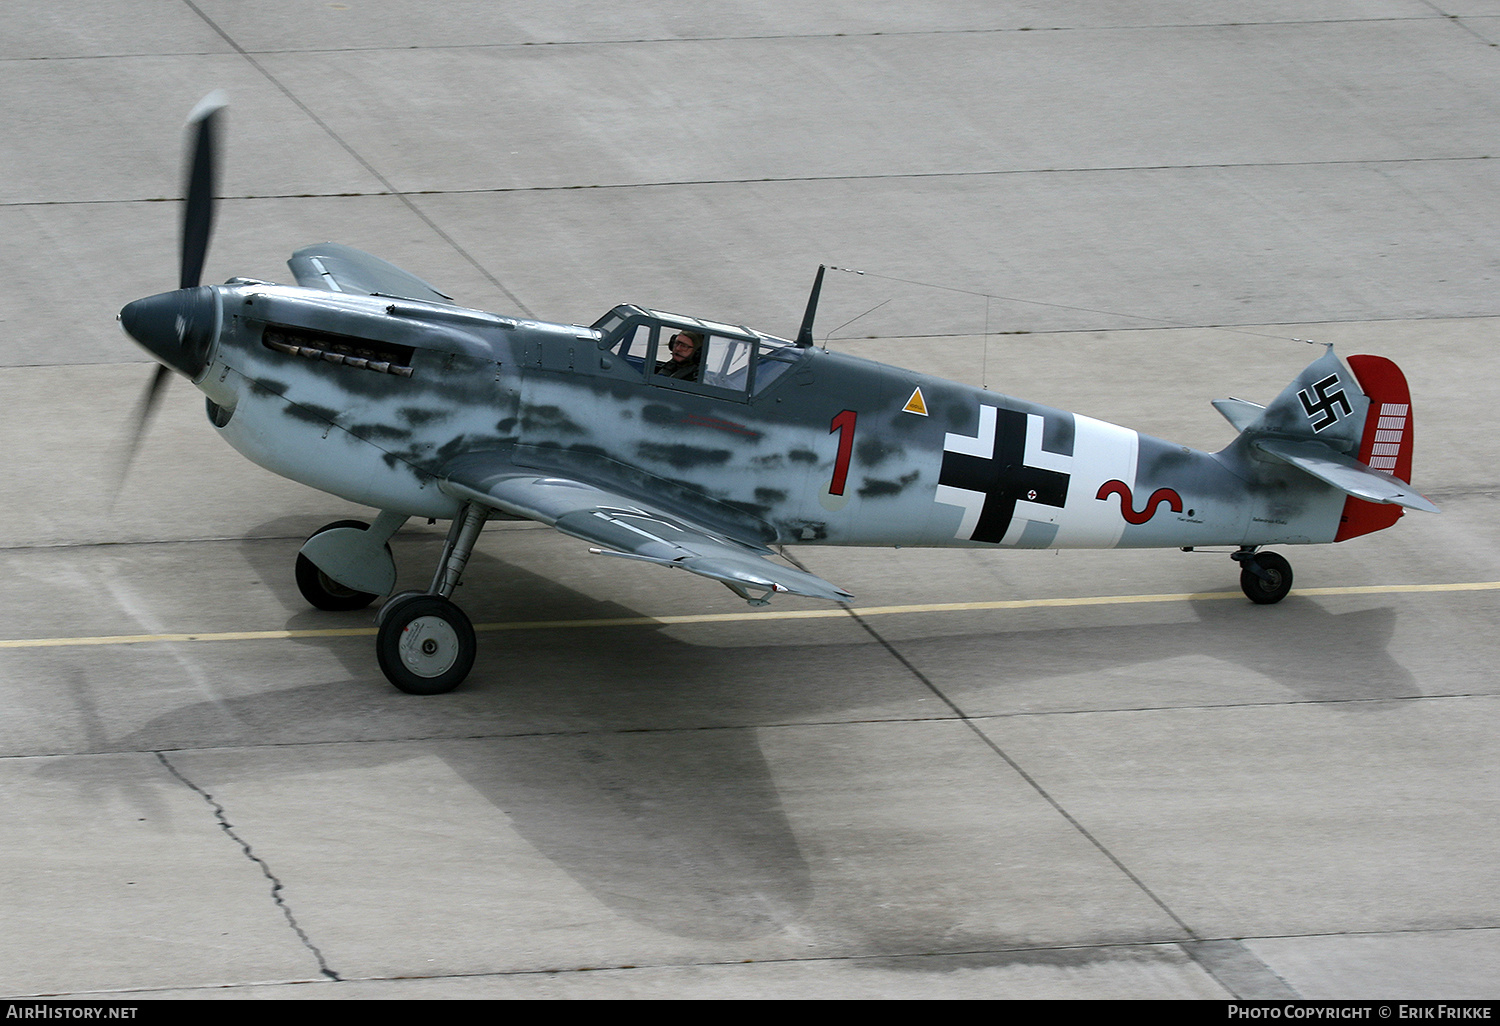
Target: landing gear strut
(1265,577)
(426,645)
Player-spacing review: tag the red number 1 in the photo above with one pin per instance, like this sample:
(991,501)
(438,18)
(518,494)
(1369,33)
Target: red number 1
(844,425)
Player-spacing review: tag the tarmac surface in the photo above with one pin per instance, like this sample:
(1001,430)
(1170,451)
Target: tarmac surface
(999,774)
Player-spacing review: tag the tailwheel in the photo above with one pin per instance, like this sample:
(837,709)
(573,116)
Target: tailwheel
(425,645)
(322,591)
(1271,584)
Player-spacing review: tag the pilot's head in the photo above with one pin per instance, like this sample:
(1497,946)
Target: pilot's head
(684,346)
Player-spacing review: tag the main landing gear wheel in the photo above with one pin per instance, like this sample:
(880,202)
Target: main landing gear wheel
(1272,587)
(322,591)
(426,645)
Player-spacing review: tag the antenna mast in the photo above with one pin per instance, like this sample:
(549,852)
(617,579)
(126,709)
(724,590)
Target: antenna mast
(805,335)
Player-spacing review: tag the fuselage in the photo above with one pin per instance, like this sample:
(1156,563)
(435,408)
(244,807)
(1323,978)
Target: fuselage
(368,398)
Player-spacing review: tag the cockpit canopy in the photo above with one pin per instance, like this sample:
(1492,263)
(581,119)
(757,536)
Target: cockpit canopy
(731,362)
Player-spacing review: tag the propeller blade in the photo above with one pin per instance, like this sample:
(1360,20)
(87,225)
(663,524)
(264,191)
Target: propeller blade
(200,185)
(144,411)
(144,320)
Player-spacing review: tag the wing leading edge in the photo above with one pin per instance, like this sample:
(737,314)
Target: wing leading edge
(622,525)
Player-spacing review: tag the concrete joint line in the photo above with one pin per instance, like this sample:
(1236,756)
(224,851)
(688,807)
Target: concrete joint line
(1031,782)
(359,158)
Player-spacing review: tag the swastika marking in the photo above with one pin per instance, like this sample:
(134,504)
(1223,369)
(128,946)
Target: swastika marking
(1322,412)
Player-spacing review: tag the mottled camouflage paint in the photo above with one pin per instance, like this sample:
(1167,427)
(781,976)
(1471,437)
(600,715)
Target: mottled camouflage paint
(758,468)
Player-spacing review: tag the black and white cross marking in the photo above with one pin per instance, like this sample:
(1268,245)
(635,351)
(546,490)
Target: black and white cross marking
(987,474)
(1322,412)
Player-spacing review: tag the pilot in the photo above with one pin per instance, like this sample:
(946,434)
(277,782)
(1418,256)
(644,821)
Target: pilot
(686,348)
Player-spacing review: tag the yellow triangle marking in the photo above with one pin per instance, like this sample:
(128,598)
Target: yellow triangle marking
(916,404)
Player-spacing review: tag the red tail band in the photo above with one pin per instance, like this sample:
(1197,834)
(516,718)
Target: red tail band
(1387,442)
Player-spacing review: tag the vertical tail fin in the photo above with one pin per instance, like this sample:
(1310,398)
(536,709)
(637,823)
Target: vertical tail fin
(1386,444)
(1349,427)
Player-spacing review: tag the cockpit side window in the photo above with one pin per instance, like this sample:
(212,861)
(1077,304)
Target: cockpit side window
(726,362)
(635,347)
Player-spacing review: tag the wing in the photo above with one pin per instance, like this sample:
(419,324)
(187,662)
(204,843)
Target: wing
(622,525)
(335,268)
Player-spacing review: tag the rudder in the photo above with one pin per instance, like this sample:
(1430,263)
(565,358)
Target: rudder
(1386,444)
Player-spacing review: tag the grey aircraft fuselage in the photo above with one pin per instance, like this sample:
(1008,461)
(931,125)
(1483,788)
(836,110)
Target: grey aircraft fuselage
(369,398)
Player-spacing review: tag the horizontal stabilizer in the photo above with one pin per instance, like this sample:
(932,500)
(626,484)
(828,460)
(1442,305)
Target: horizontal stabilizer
(1239,412)
(1345,473)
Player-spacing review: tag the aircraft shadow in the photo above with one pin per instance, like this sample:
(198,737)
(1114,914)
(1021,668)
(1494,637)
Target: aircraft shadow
(620,754)
(1297,647)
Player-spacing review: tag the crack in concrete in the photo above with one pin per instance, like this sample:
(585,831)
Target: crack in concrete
(276,886)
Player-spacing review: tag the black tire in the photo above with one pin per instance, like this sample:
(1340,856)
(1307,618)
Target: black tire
(1271,589)
(322,591)
(426,646)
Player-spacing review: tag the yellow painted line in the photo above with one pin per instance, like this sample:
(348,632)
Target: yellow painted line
(139,639)
(766,614)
